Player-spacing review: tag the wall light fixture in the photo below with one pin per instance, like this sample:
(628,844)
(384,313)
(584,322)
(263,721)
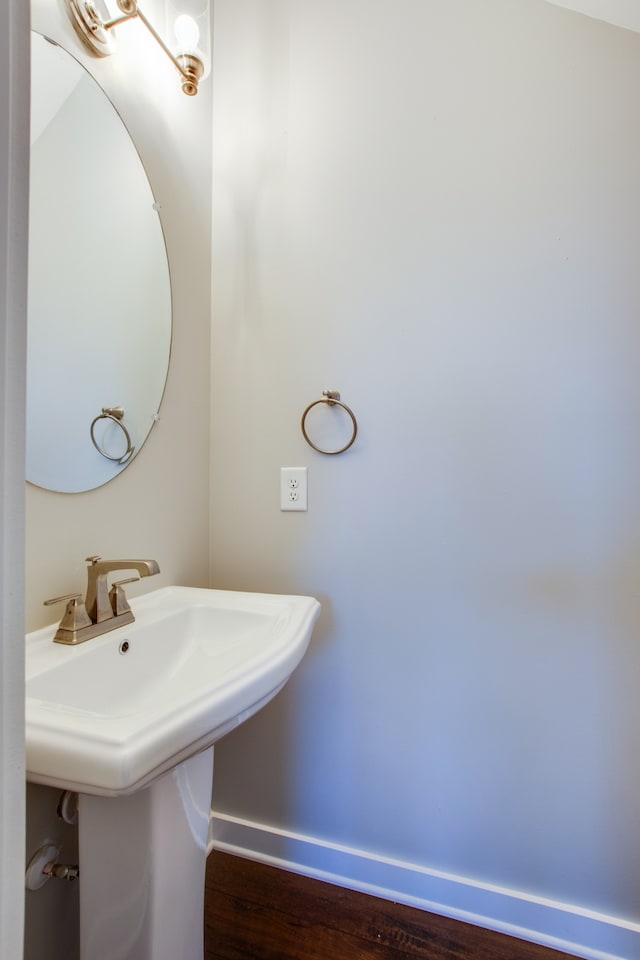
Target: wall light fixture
(187,41)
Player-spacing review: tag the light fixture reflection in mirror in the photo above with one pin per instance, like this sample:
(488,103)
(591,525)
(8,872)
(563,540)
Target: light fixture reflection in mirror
(99,321)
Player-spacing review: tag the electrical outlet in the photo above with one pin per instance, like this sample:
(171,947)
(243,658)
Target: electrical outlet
(293,488)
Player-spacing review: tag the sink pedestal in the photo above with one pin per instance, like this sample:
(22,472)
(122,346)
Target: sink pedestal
(142,868)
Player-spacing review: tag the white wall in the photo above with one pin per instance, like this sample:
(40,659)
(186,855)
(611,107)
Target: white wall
(435,208)
(158,507)
(14,148)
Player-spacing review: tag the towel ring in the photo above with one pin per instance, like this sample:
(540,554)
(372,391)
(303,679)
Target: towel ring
(332,398)
(115,414)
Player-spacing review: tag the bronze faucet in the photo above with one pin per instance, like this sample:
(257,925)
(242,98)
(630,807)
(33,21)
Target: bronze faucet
(104,609)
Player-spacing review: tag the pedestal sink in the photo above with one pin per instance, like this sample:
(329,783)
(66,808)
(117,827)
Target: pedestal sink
(128,721)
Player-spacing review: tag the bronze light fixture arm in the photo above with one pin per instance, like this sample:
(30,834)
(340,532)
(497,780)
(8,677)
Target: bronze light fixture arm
(189,67)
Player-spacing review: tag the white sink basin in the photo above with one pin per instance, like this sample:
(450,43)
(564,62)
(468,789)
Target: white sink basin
(105,722)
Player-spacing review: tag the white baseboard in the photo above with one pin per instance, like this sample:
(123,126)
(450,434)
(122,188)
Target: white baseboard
(574,930)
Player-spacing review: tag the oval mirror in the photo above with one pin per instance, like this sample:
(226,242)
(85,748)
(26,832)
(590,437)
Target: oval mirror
(99,320)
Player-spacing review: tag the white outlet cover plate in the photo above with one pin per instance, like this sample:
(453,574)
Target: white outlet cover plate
(293,488)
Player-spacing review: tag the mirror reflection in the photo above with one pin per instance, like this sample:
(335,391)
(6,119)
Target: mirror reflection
(99,333)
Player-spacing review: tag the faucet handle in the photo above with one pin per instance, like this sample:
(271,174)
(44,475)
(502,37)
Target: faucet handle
(75,615)
(93,559)
(67,596)
(119,602)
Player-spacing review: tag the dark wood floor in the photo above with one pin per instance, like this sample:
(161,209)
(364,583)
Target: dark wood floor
(255,912)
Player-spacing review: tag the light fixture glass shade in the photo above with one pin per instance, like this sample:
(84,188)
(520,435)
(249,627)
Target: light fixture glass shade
(188,30)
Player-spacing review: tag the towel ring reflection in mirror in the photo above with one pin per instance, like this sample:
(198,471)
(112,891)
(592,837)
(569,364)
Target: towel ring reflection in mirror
(115,415)
(332,398)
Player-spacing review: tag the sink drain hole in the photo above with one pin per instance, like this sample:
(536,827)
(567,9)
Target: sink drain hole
(124,647)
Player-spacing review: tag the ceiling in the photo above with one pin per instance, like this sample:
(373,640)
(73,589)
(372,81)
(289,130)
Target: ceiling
(622,13)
